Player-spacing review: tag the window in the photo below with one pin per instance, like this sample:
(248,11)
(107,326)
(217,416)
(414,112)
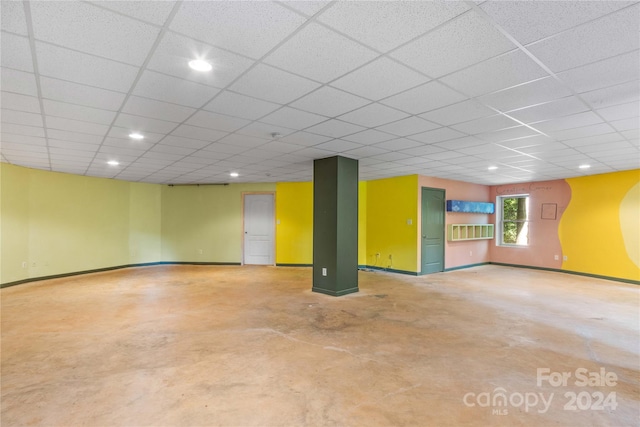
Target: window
(514,220)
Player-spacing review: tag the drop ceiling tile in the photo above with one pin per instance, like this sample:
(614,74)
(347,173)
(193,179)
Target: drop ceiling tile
(608,72)
(337,146)
(74,93)
(626,124)
(237,105)
(486,124)
(373,115)
(9,139)
(23,130)
(320,54)
(526,141)
(85,69)
(622,111)
(581,132)
(143,124)
(12,18)
(28,104)
(398,144)
(385,25)
(632,135)
(458,113)
(66,153)
(391,157)
(273,85)
(568,122)
(292,118)
(172,89)
(549,110)
(264,131)
(361,152)
(170,157)
(18,82)
(64,135)
(603,38)
(70,125)
(177,141)
(128,143)
(335,128)
(531,21)
(305,139)
(21,118)
(329,102)
(128,153)
(280,147)
(507,134)
(614,95)
(194,132)
(216,121)
(494,74)
(369,136)
(471,37)
(408,126)
(596,139)
(379,79)
(604,149)
(218,147)
(264,25)
(424,98)
(16,52)
(172,149)
(308,8)
(93,30)
(461,143)
(154,12)
(78,112)
(243,141)
(156,109)
(123,133)
(437,135)
(175,51)
(525,95)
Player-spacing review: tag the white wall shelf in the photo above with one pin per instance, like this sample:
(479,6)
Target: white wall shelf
(458,232)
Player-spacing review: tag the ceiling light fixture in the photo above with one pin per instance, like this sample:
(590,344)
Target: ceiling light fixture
(113,163)
(234,174)
(200,65)
(584,166)
(136,135)
(492,168)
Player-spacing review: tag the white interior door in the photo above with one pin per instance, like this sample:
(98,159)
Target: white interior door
(259,226)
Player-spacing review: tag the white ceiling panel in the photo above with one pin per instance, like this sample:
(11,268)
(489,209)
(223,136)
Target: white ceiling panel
(319,54)
(70,125)
(494,74)
(216,121)
(248,28)
(75,93)
(308,8)
(18,82)
(86,69)
(12,18)
(622,111)
(379,79)
(373,115)
(437,135)
(398,144)
(369,136)
(78,112)
(92,30)
(178,141)
(143,124)
(175,51)
(243,141)
(608,36)
(13,141)
(424,98)
(128,144)
(458,113)
(549,110)
(608,72)
(156,109)
(335,128)
(273,85)
(305,138)
(154,12)
(337,145)
(508,134)
(242,106)
(461,143)
(408,126)
(469,35)
(16,53)
(614,95)
(525,95)
(84,138)
(15,101)
(626,124)
(292,118)
(194,132)
(263,130)
(123,133)
(21,118)
(329,102)
(366,151)
(385,25)
(582,132)
(172,89)
(486,124)
(23,130)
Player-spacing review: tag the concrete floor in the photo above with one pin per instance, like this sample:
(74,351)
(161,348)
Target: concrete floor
(253,346)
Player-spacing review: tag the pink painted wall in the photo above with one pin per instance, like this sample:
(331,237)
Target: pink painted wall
(544,242)
(458,254)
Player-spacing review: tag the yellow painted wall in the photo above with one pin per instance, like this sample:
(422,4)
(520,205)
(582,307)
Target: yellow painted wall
(207,218)
(294,231)
(390,203)
(60,223)
(604,212)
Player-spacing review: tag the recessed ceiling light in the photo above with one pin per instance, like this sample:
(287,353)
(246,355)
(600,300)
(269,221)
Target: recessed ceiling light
(113,163)
(234,174)
(584,166)
(200,65)
(492,168)
(136,135)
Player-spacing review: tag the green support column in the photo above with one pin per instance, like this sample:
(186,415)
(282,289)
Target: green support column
(335,226)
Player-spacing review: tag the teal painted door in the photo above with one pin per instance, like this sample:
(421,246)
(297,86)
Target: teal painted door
(432,230)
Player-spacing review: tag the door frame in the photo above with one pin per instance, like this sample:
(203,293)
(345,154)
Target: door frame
(444,229)
(256,193)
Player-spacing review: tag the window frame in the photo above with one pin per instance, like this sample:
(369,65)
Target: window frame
(500,223)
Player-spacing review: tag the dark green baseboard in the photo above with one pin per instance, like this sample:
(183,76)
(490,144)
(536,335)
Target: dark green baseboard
(578,273)
(117,267)
(335,293)
(294,265)
(390,270)
(462,267)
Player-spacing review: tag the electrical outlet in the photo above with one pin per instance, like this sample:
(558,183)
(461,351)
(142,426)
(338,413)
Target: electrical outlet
(324,271)
(24,264)
(564,258)
(409,221)
(556,257)
(200,251)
